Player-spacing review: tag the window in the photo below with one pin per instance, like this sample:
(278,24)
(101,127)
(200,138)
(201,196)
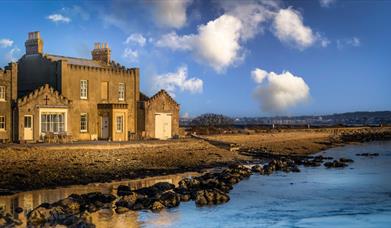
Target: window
(83,89)
(52,122)
(2,93)
(27,121)
(2,123)
(83,122)
(121,92)
(120,123)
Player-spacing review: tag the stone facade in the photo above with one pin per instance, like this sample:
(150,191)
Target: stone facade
(8,94)
(160,103)
(99,98)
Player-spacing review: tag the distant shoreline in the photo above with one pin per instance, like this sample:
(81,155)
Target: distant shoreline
(31,167)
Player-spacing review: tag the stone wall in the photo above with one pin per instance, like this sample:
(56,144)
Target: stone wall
(8,80)
(160,103)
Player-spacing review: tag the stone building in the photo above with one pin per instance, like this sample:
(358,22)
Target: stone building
(8,95)
(87,99)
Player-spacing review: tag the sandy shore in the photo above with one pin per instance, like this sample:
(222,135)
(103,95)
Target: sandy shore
(27,167)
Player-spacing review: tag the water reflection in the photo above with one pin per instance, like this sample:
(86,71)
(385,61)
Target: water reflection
(103,218)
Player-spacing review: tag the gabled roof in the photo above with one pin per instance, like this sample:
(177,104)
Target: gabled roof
(40,91)
(162,93)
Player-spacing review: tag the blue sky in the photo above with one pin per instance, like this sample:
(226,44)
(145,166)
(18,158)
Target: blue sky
(239,58)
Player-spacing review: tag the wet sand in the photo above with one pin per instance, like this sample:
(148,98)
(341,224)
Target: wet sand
(28,167)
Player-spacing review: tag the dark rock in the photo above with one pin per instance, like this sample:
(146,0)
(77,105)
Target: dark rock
(123,190)
(157,206)
(170,199)
(18,210)
(346,160)
(335,164)
(163,186)
(211,196)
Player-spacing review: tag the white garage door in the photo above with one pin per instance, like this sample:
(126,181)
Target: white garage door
(163,125)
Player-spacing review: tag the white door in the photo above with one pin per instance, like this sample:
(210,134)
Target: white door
(28,127)
(163,125)
(105,127)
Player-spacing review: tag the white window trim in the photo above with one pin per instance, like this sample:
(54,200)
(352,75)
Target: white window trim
(86,90)
(3,117)
(121,85)
(2,91)
(122,125)
(61,110)
(84,130)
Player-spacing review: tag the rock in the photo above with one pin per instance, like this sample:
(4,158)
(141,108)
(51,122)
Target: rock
(128,201)
(163,186)
(211,196)
(121,210)
(18,210)
(346,160)
(170,199)
(157,206)
(123,190)
(39,215)
(257,169)
(295,169)
(335,164)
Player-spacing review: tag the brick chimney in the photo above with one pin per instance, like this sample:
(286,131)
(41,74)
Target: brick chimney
(101,53)
(34,43)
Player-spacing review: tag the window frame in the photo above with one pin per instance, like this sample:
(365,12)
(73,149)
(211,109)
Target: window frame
(119,124)
(121,91)
(86,122)
(3,93)
(83,89)
(2,123)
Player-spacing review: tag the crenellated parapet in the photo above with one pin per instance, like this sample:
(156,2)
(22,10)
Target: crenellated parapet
(46,89)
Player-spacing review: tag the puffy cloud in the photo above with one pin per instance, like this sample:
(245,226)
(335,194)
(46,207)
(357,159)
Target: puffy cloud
(288,27)
(252,15)
(4,43)
(327,3)
(171,13)
(136,38)
(280,92)
(11,56)
(352,42)
(57,18)
(131,55)
(258,75)
(216,43)
(178,80)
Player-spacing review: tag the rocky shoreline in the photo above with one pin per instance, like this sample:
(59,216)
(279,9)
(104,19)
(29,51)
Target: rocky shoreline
(37,169)
(211,188)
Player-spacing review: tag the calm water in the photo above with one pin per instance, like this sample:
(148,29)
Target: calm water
(356,196)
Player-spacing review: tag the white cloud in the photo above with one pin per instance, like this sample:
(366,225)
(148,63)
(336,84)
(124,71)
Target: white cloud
(280,91)
(171,13)
(216,43)
(12,55)
(173,41)
(186,115)
(136,38)
(352,42)
(171,82)
(288,27)
(252,14)
(57,18)
(131,55)
(258,75)
(327,3)
(4,43)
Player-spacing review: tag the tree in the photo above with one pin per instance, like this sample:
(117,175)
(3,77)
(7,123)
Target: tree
(211,119)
